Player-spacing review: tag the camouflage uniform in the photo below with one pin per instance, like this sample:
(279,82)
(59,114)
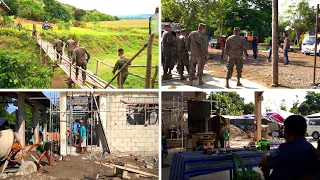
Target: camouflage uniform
(197,45)
(19,26)
(70,46)
(167,49)
(79,57)
(124,72)
(58,46)
(235,50)
(34,31)
(183,55)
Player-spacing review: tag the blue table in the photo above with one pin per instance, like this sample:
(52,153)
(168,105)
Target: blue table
(189,164)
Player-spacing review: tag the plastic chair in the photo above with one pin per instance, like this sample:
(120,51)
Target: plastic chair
(243,173)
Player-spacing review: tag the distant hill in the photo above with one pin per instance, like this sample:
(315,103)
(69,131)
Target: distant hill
(135,16)
(54,11)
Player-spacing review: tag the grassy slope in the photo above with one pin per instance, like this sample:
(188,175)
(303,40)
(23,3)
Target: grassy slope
(104,39)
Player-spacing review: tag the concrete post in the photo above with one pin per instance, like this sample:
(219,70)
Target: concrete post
(103,116)
(35,122)
(258,98)
(44,124)
(63,124)
(21,124)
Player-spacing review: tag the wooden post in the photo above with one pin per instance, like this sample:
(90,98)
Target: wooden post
(149,55)
(275,48)
(258,98)
(154,77)
(97,68)
(316,47)
(70,68)
(40,51)
(137,54)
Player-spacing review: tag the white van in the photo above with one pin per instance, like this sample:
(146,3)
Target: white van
(308,45)
(313,127)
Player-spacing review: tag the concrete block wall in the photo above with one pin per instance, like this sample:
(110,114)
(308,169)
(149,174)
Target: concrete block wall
(122,136)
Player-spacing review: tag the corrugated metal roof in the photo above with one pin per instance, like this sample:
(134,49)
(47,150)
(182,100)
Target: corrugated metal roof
(140,100)
(4,6)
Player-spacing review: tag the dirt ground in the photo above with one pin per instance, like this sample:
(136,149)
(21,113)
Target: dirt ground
(298,74)
(77,168)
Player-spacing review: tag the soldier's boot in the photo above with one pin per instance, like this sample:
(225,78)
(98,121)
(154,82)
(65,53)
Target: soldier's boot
(238,82)
(182,77)
(166,76)
(190,82)
(227,83)
(200,81)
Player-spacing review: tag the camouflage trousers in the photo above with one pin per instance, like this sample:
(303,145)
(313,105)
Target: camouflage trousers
(193,62)
(59,56)
(168,63)
(84,67)
(122,78)
(70,53)
(230,64)
(183,62)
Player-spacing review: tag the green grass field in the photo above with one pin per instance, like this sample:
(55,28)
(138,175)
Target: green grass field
(103,39)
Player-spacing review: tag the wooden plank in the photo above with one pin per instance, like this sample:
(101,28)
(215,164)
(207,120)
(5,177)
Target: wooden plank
(130,169)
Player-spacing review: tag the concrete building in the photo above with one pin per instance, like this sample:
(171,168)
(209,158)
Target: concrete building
(129,120)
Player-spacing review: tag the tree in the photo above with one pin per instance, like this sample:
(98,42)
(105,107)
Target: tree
(283,105)
(230,102)
(295,106)
(300,17)
(311,104)
(248,108)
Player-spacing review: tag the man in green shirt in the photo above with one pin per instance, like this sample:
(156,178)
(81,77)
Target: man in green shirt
(124,72)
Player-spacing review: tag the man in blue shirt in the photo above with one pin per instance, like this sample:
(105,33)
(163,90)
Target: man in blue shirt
(83,138)
(293,159)
(75,132)
(255,42)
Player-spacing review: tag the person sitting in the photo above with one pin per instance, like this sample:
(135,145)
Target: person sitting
(42,148)
(293,159)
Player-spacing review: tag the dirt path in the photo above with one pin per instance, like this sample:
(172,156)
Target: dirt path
(298,74)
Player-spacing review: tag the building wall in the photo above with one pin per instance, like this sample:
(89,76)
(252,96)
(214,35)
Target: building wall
(122,136)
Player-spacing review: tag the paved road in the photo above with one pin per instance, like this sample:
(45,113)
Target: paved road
(211,82)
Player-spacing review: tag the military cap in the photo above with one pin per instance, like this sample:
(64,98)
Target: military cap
(183,30)
(178,31)
(236,29)
(167,24)
(202,25)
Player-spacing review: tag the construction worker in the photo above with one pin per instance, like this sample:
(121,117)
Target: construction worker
(121,64)
(236,51)
(79,58)
(42,148)
(70,46)
(19,26)
(183,55)
(197,45)
(168,44)
(58,46)
(34,30)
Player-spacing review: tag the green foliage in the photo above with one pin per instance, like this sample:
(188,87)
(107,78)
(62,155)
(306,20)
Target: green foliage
(54,11)
(267,39)
(294,109)
(283,105)
(299,17)
(64,25)
(8,20)
(231,103)
(222,16)
(311,104)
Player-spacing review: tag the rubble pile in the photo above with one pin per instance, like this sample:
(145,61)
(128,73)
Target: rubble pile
(236,133)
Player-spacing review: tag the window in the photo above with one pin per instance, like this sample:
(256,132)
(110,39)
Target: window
(142,114)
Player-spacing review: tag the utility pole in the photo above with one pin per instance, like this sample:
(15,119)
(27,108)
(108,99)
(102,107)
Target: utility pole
(316,47)
(275,48)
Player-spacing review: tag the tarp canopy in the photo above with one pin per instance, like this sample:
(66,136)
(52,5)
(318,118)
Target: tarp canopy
(313,115)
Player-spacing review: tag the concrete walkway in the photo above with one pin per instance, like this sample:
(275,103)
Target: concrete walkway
(211,82)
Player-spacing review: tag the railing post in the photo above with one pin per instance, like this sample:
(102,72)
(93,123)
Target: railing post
(155,76)
(40,51)
(97,68)
(70,68)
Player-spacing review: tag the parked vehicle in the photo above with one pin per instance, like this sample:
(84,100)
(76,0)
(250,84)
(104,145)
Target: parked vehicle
(313,126)
(308,45)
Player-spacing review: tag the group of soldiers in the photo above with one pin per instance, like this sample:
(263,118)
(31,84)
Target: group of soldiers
(192,51)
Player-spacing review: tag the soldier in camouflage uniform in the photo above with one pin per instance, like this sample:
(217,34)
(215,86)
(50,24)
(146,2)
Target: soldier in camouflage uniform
(58,46)
(197,45)
(34,30)
(175,51)
(167,49)
(124,72)
(19,26)
(70,46)
(183,55)
(235,51)
(79,57)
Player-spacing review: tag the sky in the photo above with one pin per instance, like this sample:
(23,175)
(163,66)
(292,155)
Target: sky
(272,98)
(116,7)
(282,5)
